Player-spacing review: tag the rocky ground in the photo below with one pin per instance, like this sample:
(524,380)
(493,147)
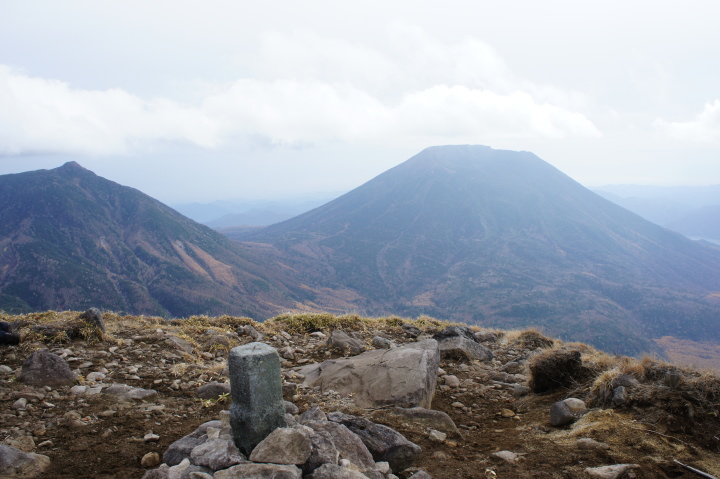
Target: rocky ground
(667,414)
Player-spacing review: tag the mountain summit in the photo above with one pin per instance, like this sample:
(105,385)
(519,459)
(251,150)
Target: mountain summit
(503,238)
(70,239)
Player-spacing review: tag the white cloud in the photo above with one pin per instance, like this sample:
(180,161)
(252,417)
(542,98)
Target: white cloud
(704,128)
(39,115)
(304,89)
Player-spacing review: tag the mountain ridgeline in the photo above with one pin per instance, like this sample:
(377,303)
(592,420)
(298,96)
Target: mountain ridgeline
(464,233)
(70,239)
(502,238)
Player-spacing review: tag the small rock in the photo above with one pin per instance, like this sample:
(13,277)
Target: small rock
(125,392)
(411,330)
(507,456)
(507,413)
(458,405)
(381,343)
(461,348)
(249,330)
(290,408)
(78,390)
(512,367)
(313,414)
(151,459)
(318,334)
(213,390)
(587,443)
(95,376)
(24,443)
(420,475)
(20,403)
(566,411)
(283,446)
(335,471)
(43,368)
(452,381)
(216,454)
(615,471)
(620,396)
(259,471)
(150,437)
(94,318)
(486,337)
(437,436)
(341,341)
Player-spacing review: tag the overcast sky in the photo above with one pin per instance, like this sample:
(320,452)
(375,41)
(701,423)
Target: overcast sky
(195,101)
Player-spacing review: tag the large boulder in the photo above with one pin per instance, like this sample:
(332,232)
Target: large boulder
(403,376)
(385,444)
(43,368)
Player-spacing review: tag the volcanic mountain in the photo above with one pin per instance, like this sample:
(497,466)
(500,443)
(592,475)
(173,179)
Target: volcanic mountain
(70,239)
(502,238)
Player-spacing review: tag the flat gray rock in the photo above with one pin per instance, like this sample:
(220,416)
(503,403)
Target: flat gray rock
(427,418)
(259,471)
(403,376)
(125,392)
(213,390)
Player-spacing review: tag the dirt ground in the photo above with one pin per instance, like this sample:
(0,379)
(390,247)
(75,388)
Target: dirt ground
(99,437)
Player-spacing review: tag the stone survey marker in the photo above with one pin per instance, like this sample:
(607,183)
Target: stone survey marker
(256,389)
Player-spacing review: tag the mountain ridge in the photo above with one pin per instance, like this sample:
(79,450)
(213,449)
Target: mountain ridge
(70,238)
(438,232)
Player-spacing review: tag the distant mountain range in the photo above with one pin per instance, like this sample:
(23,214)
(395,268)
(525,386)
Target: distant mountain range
(245,213)
(691,210)
(502,238)
(466,233)
(70,239)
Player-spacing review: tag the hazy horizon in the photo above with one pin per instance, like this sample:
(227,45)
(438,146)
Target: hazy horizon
(199,102)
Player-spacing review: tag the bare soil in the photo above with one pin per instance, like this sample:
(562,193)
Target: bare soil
(99,437)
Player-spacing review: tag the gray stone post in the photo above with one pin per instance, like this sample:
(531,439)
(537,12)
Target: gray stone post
(257,406)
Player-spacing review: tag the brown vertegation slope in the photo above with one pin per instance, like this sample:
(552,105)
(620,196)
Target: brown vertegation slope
(502,238)
(70,239)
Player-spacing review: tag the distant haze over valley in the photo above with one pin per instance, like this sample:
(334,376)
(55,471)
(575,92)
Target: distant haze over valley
(691,210)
